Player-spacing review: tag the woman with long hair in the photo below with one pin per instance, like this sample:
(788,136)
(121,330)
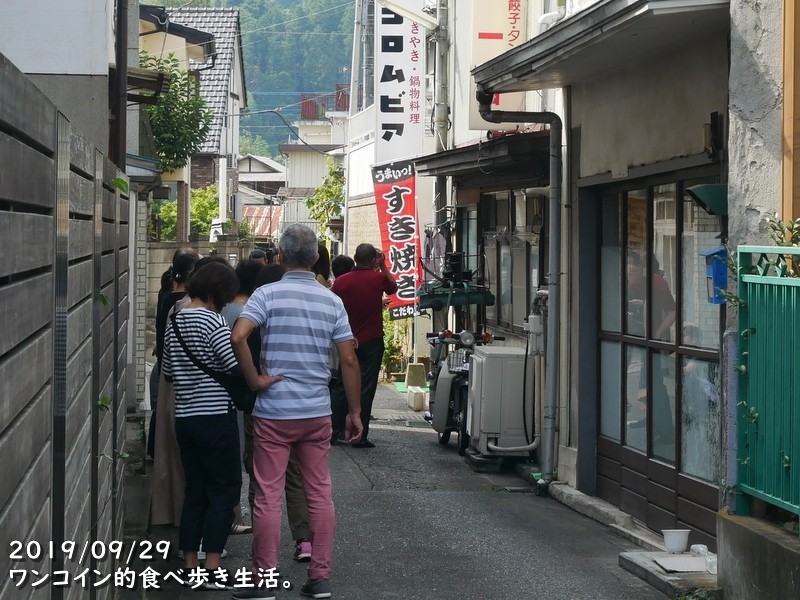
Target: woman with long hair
(322,268)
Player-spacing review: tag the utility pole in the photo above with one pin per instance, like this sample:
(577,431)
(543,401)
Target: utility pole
(441,111)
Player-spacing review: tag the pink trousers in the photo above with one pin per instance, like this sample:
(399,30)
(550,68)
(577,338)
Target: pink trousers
(273,440)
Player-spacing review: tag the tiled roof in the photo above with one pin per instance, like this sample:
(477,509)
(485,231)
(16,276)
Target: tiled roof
(273,164)
(215,83)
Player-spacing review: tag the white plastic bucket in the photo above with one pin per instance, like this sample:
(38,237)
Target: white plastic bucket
(676,540)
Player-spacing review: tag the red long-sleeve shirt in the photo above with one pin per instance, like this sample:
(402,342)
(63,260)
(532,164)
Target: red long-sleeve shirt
(361,291)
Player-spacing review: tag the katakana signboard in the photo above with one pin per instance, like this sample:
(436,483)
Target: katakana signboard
(399,85)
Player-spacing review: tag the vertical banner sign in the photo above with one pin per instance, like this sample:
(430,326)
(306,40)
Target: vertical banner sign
(497,26)
(399,85)
(395,193)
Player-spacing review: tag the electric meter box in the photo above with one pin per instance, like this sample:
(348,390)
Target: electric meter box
(495,400)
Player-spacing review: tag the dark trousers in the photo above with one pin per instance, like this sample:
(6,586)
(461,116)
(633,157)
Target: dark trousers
(370,355)
(151,434)
(210,457)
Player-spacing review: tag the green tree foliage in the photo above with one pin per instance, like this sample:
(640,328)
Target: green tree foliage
(327,201)
(203,209)
(180,119)
(252,144)
(290,47)
(168,216)
(242,229)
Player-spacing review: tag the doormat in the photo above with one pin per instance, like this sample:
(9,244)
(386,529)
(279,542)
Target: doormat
(682,563)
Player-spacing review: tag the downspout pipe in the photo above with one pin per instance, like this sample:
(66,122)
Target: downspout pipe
(118,147)
(554,246)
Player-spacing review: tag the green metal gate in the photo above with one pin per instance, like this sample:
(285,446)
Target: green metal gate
(768,412)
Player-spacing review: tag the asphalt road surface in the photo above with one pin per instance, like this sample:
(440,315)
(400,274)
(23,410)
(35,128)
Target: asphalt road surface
(414,522)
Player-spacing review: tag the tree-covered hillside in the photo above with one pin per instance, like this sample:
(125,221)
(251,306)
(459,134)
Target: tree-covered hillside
(291,47)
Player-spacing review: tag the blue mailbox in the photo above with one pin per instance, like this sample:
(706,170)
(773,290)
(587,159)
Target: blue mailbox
(716,273)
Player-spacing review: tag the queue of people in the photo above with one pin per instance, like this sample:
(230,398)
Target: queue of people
(306,334)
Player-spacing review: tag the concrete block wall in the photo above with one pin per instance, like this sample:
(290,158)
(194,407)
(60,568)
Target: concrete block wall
(159,259)
(138,305)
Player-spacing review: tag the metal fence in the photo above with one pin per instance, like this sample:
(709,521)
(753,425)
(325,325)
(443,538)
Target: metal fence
(64,320)
(769,375)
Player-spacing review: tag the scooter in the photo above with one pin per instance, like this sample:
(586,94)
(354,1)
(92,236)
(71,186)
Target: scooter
(449,383)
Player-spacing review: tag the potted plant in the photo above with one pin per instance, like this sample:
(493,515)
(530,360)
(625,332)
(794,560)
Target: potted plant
(392,348)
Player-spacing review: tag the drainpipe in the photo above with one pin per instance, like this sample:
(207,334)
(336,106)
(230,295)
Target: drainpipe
(440,110)
(120,95)
(553,302)
(547,20)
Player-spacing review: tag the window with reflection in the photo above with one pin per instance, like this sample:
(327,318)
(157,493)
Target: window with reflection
(661,397)
(663,269)
(700,416)
(636,397)
(611,263)
(658,349)
(636,262)
(700,325)
(610,388)
(513,222)
(490,274)
(504,285)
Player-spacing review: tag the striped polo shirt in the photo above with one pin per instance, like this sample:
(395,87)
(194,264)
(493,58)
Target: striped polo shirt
(299,320)
(209,339)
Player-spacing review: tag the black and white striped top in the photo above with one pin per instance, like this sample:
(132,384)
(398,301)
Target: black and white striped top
(209,338)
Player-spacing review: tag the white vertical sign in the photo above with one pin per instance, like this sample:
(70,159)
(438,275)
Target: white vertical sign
(497,26)
(399,85)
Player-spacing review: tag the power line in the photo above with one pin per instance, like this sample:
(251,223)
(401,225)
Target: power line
(290,128)
(268,27)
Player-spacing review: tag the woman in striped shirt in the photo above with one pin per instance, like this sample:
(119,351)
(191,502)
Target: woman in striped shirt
(205,418)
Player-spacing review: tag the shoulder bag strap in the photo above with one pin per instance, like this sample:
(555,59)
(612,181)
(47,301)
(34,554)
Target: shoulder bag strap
(215,375)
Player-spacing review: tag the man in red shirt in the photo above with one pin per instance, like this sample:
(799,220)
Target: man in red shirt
(361,291)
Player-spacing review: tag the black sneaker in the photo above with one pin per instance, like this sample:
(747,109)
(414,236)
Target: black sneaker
(316,588)
(219,580)
(364,444)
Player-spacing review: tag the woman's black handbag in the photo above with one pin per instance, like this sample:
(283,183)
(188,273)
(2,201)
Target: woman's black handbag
(242,396)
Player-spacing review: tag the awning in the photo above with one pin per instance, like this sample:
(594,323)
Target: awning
(144,172)
(517,157)
(599,39)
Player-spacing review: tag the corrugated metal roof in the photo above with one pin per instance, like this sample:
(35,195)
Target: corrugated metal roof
(264,220)
(215,83)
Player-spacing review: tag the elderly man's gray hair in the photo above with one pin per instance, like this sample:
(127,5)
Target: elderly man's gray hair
(299,246)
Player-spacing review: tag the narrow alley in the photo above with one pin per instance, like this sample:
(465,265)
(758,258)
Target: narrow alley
(415,522)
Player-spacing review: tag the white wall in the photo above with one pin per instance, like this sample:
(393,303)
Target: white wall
(359,171)
(305,169)
(58,36)
(647,113)
(756,119)
(460,77)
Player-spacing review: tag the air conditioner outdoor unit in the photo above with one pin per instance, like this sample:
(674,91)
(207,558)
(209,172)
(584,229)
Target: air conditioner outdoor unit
(495,400)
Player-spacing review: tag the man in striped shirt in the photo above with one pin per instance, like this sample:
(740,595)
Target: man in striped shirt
(299,321)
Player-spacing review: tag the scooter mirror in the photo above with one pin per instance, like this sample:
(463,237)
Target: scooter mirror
(437,305)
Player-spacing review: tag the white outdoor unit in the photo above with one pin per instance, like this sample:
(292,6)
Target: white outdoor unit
(495,413)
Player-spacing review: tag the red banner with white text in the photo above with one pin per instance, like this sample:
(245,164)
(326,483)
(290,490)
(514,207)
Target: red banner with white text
(395,199)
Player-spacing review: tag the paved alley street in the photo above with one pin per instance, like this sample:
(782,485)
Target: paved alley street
(415,522)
